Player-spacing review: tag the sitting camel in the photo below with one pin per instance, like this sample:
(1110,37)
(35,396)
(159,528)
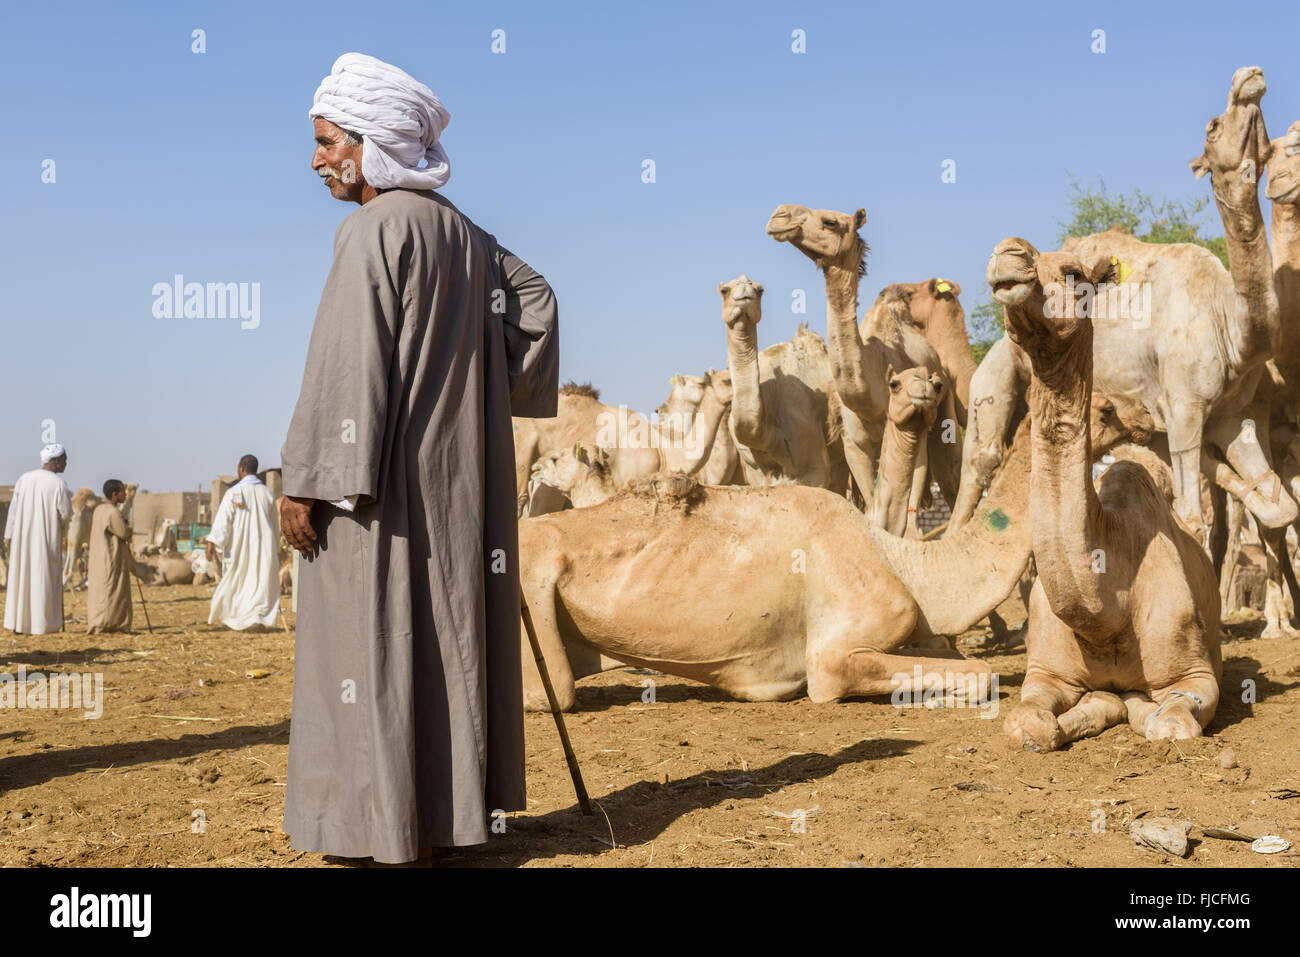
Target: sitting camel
(764,592)
(1124,617)
(723,464)
(914,397)
(658,449)
(580,410)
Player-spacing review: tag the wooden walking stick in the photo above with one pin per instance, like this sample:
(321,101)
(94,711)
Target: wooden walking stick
(140,589)
(574,771)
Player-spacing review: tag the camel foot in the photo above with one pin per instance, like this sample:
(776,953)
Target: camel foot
(1279,629)
(1033,729)
(1178,725)
(1015,639)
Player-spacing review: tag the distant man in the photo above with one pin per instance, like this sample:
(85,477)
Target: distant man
(38,516)
(108,584)
(407,728)
(246,529)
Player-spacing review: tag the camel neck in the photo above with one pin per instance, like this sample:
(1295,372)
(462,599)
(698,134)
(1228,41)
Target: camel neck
(747,399)
(996,541)
(857,370)
(1065,514)
(1250,264)
(898,450)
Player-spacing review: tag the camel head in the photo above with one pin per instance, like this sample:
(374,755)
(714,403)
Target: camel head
(930,303)
(1236,141)
(84,499)
(131,489)
(1048,295)
(742,301)
(1118,421)
(1284,168)
(826,237)
(571,471)
(914,397)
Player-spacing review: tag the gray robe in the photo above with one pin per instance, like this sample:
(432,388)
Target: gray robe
(407,726)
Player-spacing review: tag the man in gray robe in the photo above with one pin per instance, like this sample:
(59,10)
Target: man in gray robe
(407,729)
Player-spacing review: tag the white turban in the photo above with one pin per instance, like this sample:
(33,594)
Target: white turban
(51,452)
(397,116)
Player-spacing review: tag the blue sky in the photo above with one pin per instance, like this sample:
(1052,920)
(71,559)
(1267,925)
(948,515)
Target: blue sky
(168,162)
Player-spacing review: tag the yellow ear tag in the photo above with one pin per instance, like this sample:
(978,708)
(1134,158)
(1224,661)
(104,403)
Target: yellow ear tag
(1125,270)
(942,287)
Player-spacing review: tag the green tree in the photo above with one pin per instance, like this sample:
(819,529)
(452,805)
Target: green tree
(985,325)
(1095,210)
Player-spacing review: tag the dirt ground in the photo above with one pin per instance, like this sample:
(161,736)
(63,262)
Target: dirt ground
(186,767)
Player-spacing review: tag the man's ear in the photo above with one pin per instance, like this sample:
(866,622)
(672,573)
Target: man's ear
(1200,166)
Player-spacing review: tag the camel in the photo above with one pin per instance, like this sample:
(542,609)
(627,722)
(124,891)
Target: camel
(625,458)
(723,464)
(765,592)
(84,503)
(933,307)
(1124,617)
(577,418)
(1195,356)
(785,412)
(914,397)
(860,355)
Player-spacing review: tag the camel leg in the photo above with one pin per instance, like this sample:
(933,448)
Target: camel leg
(1277,622)
(862,468)
(1174,716)
(541,606)
(1235,514)
(833,675)
(1186,422)
(840,665)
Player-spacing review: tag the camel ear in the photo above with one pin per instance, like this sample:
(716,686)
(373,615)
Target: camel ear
(1106,270)
(859,219)
(1200,166)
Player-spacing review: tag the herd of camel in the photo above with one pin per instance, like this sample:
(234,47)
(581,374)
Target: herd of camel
(760,534)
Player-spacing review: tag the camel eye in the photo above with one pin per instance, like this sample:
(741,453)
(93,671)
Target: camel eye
(894,385)
(830,223)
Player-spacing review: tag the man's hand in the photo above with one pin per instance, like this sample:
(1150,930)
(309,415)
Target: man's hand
(295,523)
(210,551)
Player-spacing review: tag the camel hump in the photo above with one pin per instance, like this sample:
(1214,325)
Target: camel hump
(580,388)
(83,496)
(668,487)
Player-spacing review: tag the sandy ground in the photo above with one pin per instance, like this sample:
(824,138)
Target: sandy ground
(186,768)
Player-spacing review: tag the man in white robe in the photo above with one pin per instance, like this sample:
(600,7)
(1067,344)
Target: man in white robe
(38,516)
(248,532)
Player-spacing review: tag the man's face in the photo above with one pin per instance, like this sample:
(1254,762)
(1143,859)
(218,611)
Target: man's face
(59,464)
(337,162)
(118,497)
